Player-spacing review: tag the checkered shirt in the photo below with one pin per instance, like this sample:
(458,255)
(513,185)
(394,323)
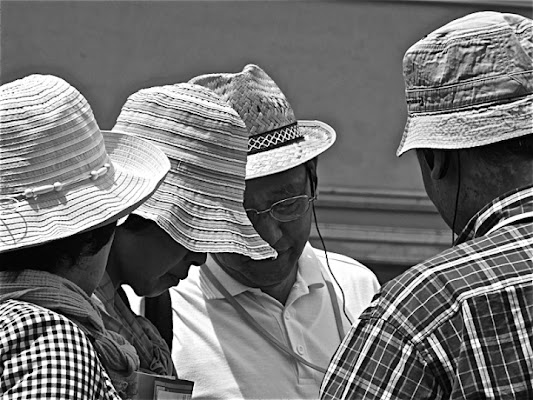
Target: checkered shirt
(43,355)
(457,326)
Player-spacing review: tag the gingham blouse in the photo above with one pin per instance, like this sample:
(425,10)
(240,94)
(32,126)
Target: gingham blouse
(458,326)
(43,355)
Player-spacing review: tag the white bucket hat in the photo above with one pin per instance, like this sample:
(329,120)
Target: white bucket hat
(470,83)
(200,203)
(59,175)
(277,141)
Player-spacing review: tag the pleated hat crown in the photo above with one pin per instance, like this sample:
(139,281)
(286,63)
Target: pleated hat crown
(200,203)
(470,83)
(277,140)
(59,174)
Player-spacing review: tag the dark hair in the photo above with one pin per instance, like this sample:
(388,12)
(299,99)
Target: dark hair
(51,256)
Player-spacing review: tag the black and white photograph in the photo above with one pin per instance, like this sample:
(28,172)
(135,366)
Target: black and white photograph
(266,199)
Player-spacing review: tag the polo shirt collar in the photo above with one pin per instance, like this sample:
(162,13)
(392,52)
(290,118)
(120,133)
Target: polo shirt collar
(309,268)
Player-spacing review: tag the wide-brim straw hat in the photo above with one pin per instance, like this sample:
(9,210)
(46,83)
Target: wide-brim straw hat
(277,141)
(470,83)
(59,175)
(200,203)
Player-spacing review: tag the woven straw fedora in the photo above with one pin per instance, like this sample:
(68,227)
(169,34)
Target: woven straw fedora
(200,203)
(277,141)
(59,175)
(470,83)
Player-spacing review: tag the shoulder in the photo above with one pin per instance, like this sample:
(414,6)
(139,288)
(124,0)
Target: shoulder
(436,289)
(346,267)
(339,259)
(189,292)
(460,269)
(406,297)
(191,283)
(40,347)
(21,318)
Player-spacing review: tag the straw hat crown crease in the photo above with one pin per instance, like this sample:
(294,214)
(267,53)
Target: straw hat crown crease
(277,140)
(255,96)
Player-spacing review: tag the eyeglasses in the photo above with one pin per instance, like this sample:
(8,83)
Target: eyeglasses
(285,210)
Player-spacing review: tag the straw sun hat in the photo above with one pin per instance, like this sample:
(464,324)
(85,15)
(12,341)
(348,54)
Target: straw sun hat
(277,141)
(200,203)
(59,175)
(470,83)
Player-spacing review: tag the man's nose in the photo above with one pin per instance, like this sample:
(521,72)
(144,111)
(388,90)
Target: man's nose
(268,228)
(196,258)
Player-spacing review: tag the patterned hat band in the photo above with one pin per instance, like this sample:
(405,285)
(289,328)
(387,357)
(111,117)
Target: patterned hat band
(274,138)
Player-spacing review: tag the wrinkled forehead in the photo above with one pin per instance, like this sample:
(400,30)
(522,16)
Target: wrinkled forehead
(271,188)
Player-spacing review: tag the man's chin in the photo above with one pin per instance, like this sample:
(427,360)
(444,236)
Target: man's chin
(267,273)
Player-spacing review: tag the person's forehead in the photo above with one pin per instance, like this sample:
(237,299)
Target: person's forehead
(273,187)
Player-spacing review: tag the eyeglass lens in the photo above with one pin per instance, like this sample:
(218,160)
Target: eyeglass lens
(290,209)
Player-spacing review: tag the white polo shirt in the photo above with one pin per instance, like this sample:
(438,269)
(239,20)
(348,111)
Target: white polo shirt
(228,359)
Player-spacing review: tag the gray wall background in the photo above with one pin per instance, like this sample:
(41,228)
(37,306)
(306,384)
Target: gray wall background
(339,62)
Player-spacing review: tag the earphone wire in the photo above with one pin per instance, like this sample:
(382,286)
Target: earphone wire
(456,196)
(329,268)
(314,193)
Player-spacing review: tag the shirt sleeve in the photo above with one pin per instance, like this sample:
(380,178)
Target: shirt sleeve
(46,356)
(374,361)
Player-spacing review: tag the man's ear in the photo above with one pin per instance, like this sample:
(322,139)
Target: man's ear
(437,161)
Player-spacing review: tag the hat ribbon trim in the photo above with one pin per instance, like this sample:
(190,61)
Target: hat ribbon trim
(275,138)
(11,202)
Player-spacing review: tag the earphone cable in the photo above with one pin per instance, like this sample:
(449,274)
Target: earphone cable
(329,268)
(456,196)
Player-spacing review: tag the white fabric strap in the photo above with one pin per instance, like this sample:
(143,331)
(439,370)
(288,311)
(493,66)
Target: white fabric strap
(248,318)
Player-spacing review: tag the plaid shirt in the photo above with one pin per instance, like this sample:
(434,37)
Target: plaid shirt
(458,326)
(43,355)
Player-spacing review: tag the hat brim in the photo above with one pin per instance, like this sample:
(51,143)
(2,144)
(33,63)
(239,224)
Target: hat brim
(187,208)
(317,138)
(138,167)
(468,128)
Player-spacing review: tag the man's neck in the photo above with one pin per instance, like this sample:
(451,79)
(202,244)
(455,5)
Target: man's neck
(279,291)
(282,290)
